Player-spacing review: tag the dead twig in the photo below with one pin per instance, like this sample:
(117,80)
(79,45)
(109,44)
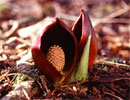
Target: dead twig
(113,64)
(95,21)
(109,17)
(118,13)
(23,41)
(117,92)
(4,75)
(44,84)
(109,20)
(12,30)
(113,78)
(26,94)
(119,98)
(33,29)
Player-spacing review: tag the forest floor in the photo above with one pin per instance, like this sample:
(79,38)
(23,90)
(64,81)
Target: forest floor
(21,20)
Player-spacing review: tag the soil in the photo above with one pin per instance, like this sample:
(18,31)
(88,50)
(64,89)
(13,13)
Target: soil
(110,77)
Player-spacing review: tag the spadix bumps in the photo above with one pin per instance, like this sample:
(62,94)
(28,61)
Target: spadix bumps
(56,57)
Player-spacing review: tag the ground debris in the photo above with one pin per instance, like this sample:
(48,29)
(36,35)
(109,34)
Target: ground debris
(20,21)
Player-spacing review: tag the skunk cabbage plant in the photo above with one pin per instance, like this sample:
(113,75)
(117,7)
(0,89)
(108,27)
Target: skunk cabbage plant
(56,49)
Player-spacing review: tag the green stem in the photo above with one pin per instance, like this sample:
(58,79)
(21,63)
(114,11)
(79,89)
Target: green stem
(80,72)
